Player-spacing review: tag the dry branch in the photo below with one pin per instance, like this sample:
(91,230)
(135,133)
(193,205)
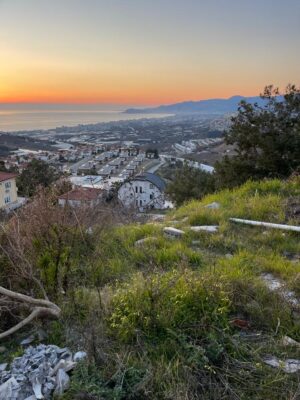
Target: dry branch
(41,309)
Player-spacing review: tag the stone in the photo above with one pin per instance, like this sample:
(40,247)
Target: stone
(143,241)
(214,205)
(287,341)
(228,256)
(3,367)
(80,355)
(62,382)
(2,349)
(10,389)
(205,228)
(173,232)
(27,340)
(289,366)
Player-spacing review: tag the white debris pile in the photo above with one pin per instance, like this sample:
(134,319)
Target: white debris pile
(39,373)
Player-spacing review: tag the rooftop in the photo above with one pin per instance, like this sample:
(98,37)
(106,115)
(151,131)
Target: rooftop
(4,176)
(82,194)
(152,178)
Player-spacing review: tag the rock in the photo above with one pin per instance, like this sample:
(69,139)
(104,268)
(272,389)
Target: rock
(3,367)
(289,366)
(287,341)
(214,205)
(173,232)
(10,389)
(66,365)
(228,256)
(2,349)
(205,228)
(80,355)
(27,341)
(37,386)
(62,382)
(143,241)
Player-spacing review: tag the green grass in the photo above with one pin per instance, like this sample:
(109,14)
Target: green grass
(157,318)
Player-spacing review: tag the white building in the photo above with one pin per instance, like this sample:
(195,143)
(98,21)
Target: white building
(143,192)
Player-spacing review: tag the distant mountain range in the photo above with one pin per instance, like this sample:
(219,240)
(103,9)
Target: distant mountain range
(210,106)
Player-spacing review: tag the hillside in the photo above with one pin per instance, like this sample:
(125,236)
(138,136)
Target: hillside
(210,106)
(195,317)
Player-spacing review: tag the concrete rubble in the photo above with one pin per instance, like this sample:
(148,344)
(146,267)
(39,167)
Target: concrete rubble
(40,372)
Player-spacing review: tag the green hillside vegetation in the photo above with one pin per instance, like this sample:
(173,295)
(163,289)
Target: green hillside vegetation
(157,318)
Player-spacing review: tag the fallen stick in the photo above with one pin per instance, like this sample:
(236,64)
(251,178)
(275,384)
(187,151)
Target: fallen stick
(266,224)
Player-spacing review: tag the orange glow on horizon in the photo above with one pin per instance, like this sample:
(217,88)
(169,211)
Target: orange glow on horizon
(125,99)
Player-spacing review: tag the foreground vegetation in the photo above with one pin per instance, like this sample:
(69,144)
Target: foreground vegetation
(189,318)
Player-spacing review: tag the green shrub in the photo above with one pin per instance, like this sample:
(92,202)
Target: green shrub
(149,306)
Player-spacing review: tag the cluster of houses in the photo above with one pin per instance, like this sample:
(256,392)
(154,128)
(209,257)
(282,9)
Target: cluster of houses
(142,192)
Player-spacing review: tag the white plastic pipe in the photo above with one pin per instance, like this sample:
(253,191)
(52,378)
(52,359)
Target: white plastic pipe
(266,224)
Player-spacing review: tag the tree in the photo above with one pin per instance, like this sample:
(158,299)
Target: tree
(38,173)
(266,139)
(190,183)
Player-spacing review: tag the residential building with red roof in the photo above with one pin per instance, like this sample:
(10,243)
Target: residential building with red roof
(81,196)
(8,190)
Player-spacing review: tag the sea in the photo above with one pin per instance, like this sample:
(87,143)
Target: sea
(36,117)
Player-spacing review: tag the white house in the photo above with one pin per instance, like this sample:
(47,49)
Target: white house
(143,192)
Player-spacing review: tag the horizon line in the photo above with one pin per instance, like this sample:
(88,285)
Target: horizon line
(95,103)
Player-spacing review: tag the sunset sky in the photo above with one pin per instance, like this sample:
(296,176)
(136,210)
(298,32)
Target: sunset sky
(145,51)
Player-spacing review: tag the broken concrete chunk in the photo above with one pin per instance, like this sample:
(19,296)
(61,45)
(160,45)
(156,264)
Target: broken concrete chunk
(214,205)
(173,232)
(289,366)
(27,340)
(80,355)
(62,382)
(143,241)
(10,389)
(205,228)
(287,341)
(3,367)
(66,365)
